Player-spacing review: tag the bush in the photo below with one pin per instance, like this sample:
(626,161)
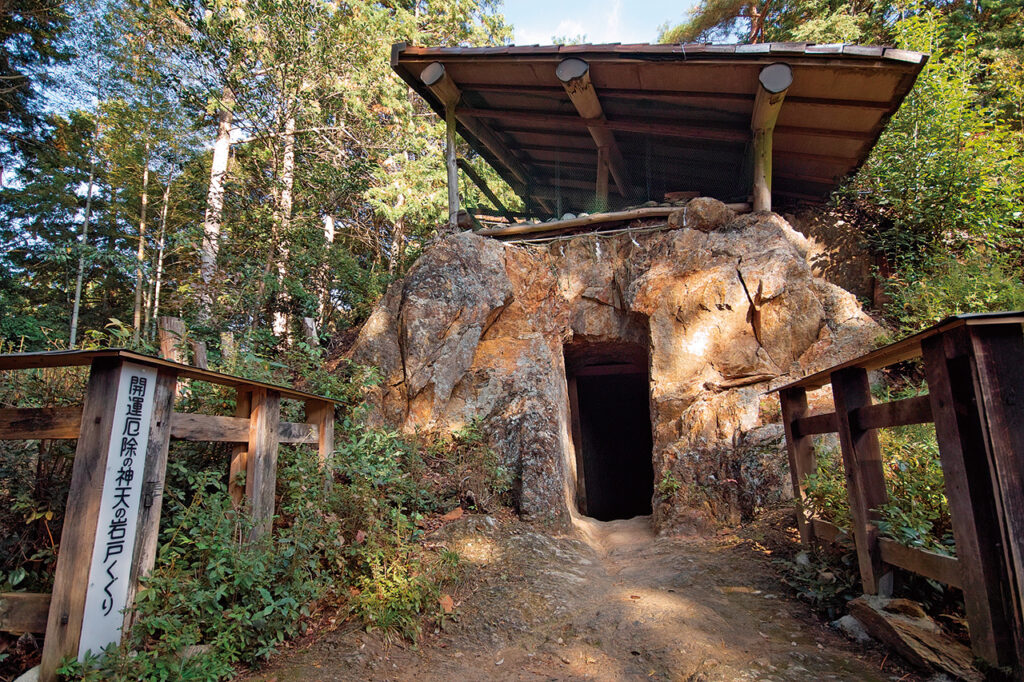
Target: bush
(977,281)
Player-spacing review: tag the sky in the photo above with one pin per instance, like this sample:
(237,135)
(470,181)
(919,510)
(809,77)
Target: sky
(601,21)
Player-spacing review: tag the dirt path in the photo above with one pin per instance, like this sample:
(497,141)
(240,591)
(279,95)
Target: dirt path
(618,604)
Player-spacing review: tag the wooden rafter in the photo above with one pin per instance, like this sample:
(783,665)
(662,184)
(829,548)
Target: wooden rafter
(575,77)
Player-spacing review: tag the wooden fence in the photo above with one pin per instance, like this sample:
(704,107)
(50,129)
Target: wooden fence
(974,367)
(127,412)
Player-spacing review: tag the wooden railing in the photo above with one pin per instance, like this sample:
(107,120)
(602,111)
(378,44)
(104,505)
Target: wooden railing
(100,425)
(974,367)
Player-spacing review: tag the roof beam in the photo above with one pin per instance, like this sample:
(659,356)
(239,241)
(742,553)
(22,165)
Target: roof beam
(575,77)
(773,82)
(444,88)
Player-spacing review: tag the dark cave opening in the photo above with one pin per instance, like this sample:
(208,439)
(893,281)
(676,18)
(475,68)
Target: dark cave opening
(609,399)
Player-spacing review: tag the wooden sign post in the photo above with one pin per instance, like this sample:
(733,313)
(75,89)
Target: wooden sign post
(97,551)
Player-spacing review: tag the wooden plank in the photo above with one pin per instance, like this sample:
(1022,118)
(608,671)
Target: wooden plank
(64,624)
(147,531)
(969,490)
(945,569)
(865,480)
(915,410)
(261,472)
(78,358)
(802,460)
(22,612)
(210,428)
(298,433)
(238,468)
(31,423)
(816,423)
(999,382)
(827,531)
(216,429)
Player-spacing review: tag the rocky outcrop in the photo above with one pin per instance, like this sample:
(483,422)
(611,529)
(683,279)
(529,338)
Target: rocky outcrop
(727,306)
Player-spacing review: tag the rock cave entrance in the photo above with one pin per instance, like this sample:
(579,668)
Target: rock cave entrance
(609,398)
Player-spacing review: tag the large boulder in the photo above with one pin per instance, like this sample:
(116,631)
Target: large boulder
(477,330)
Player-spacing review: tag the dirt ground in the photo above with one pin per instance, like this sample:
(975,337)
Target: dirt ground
(609,602)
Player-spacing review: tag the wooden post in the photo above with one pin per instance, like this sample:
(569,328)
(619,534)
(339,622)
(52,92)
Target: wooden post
(148,530)
(441,84)
(577,443)
(865,481)
(239,470)
(602,179)
(67,605)
(321,414)
(171,332)
(261,469)
(802,460)
(199,358)
(773,82)
(969,490)
(999,361)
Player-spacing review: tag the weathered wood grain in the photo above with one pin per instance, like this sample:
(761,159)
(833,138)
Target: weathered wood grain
(865,481)
(22,612)
(25,423)
(261,472)
(802,460)
(916,410)
(972,506)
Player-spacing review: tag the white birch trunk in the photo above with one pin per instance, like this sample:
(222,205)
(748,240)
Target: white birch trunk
(215,200)
(280,324)
(161,243)
(81,255)
(141,256)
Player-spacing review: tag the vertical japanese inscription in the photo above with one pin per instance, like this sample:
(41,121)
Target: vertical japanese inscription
(119,510)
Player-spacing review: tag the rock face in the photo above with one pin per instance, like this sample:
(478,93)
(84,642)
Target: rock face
(726,307)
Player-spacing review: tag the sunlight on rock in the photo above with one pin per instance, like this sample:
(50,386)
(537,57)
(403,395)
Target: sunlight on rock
(476,549)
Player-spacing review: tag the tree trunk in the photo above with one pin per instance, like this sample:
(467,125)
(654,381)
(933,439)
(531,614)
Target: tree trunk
(281,326)
(215,203)
(141,256)
(161,243)
(81,255)
(397,238)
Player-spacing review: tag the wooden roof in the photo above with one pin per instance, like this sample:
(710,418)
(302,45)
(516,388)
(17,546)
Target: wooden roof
(77,358)
(680,114)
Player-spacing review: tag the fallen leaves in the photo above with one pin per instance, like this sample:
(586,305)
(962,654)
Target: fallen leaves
(447,603)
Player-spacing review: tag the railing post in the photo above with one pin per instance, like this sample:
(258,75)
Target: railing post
(321,414)
(802,460)
(261,469)
(969,490)
(999,362)
(865,480)
(238,470)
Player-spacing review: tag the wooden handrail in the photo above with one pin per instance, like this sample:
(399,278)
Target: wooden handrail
(974,368)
